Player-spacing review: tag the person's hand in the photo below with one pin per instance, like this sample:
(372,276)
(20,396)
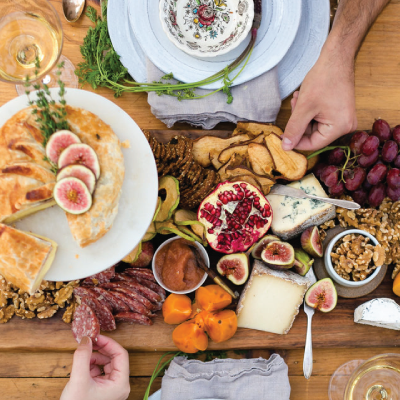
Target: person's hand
(324,108)
(87,381)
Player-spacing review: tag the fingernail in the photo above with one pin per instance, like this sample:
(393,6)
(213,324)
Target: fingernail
(85,340)
(286,144)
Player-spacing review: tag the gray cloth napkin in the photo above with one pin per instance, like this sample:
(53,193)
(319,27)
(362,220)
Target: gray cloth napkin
(257,100)
(228,379)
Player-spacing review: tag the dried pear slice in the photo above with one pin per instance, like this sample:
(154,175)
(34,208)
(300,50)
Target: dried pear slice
(254,128)
(171,186)
(158,206)
(260,158)
(186,217)
(188,232)
(168,227)
(234,161)
(150,233)
(134,254)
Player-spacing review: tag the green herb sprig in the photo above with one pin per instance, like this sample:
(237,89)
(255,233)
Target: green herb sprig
(102,68)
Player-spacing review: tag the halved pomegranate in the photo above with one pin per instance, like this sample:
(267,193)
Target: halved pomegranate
(235,215)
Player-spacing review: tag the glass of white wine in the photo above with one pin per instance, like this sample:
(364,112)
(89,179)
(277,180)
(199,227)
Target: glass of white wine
(375,379)
(31,30)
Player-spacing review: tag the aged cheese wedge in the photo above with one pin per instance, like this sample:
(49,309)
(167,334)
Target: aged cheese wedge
(271,299)
(25,257)
(292,215)
(384,313)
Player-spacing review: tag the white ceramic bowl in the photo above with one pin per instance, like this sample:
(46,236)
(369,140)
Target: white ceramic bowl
(208,29)
(328,260)
(161,283)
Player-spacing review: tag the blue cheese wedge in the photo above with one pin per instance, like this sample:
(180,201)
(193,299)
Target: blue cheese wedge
(271,299)
(291,216)
(384,313)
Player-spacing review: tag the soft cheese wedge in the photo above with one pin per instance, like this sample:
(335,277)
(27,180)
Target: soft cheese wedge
(292,215)
(25,257)
(271,299)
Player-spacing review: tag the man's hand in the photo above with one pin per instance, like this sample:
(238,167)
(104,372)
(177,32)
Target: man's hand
(87,381)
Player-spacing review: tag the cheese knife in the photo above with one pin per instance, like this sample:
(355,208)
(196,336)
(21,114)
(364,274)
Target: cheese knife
(308,353)
(282,190)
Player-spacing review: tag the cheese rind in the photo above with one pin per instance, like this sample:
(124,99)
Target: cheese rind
(271,299)
(291,216)
(384,313)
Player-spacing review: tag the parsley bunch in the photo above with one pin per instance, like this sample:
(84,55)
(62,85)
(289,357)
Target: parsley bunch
(102,68)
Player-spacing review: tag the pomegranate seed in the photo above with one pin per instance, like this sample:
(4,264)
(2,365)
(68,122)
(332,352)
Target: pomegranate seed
(268,213)
(213,211)
(267,207)
(237,226)
(224,200)
(219,203)
(250,223)
(211,231)
(243,185)
(234,197)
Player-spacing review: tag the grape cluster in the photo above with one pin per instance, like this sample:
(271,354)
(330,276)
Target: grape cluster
(369,170)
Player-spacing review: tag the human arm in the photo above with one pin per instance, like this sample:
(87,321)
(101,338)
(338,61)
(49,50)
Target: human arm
(87,381)
(324,108)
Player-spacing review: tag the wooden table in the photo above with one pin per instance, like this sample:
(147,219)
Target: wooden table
(36,355)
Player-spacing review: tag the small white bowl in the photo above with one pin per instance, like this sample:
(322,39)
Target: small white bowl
(328,260)
(161,283)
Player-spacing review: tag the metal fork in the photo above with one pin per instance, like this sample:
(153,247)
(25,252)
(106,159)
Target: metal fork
(308,353)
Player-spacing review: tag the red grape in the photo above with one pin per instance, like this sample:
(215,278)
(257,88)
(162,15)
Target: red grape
(389,151)
(377,174)
(367,186)
(370,145)
(397,161)
(360,196)
(336,156)
(381,129)
(357,141)
(393,178)
(376,195)
(393,194)
(396,134)
(367,161)
(318,169)
(337,190)
(330,175)
(356,179)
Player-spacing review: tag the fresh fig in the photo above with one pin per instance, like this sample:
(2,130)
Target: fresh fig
(78,171)
(322,295)
(72,195)
(260,245)
(235,267)
(278,255)
(302,262)
(80,153)
(311,242)
(58,142)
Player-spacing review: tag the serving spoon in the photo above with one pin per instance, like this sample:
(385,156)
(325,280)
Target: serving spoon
(73,9)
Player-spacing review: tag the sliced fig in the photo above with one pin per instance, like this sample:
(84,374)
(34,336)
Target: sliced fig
(78,171)
(303,262)
(322,295)
(72,195)
(80,153)
(278,255)
(170,185)
(260,245)
(58,142)
(311,242)
(235,267)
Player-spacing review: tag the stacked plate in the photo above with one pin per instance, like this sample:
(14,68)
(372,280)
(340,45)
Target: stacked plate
(291,36)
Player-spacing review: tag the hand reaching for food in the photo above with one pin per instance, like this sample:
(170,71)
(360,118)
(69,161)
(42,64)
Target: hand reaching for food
(88,382)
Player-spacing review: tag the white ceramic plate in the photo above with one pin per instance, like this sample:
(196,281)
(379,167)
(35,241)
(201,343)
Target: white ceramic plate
(281,19)
(136,205)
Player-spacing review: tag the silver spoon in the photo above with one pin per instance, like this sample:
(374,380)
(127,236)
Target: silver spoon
(73,9)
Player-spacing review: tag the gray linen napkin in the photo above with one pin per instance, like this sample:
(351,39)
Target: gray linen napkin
(257,100)
(228,379)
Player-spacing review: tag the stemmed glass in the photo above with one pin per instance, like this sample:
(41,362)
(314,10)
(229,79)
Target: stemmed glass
(31,31)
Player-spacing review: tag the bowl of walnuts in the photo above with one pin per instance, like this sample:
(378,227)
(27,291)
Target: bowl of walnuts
(354,258)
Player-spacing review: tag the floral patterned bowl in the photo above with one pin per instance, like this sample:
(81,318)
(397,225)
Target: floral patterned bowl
(206,28)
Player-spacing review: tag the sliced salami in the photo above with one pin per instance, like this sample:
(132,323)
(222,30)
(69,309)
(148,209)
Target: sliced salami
(143,290)
(85,323)
(133,318)
(117,304)
(101,298)
(153,286)
(133,304)
(141,273)
(101,277)
(106,319)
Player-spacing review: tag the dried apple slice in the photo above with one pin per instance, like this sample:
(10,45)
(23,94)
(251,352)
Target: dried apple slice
(260,159)
(133,255)
(171,187)
(150,233)
(190,233)
(168,227)
(292,165)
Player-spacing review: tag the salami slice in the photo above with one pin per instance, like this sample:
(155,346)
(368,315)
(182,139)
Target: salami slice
(122,287)
(155,287)
(141,273)
(133,304)
(85,323)
(100,297)
(101,277)
(133,318)
(106,319)
(117,304)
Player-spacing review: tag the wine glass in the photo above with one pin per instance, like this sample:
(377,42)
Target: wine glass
(31,31)
(375,379)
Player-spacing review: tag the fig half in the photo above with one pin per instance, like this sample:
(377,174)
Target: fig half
(235,267)
(311,242)
(260,245)
(278,255)
(58,142)
(78,171)
(322,295)
(72,195)
(302,262)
